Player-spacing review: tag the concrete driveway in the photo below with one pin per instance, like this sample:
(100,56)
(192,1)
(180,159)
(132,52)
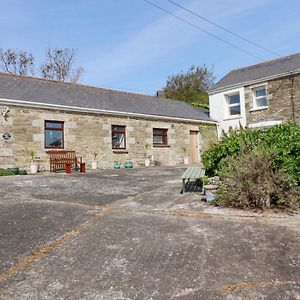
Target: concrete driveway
(130,234)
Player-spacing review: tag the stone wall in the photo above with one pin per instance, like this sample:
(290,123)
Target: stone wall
(283,101)
(88,133)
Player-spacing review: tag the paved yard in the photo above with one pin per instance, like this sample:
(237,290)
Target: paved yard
(130,234)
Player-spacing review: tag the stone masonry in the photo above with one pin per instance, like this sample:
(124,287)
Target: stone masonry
(88,133)
(283,101)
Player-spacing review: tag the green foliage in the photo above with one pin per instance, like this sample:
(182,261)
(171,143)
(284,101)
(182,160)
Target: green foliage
(6,172)
(249,180)
(283,140)
(32,154)
(190,87)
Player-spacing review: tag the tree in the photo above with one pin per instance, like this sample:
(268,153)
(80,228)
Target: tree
(17,62)
(190,87)
(59,65)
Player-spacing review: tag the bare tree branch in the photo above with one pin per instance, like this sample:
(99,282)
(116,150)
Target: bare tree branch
(59,65)
(17,62)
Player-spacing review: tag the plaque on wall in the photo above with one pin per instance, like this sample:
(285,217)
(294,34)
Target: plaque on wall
(6,136)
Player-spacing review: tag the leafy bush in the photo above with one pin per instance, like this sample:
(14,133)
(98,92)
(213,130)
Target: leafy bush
(6,172)
(282,140)
(250,180)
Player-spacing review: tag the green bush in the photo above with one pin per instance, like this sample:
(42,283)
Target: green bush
(282,140)
(249,179)
(6,172)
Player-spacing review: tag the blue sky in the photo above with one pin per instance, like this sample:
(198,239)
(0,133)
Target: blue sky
(129,45)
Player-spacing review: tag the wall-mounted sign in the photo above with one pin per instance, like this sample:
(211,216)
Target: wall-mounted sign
(6,136)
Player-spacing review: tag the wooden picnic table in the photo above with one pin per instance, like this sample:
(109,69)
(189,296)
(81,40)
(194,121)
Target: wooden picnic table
(191,174)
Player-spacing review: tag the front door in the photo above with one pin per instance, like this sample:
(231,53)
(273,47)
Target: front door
(194,147)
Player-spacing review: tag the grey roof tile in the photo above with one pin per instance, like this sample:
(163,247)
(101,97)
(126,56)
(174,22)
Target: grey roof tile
(39,90)
(263,70)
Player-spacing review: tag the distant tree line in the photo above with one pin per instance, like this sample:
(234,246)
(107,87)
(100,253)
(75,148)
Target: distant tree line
(58,64)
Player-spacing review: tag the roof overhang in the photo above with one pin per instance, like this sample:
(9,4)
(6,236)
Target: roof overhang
(250,82)
(77,109)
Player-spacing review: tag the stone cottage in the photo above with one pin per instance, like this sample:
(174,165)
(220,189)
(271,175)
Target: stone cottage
(258,96)
(42,115)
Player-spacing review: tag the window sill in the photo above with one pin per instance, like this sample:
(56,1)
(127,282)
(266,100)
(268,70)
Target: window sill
(161,146)
(120,151)
(232,118)
(259,108)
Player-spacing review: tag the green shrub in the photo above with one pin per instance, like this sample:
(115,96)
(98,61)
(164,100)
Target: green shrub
(283,140)
(250,180)
(6,172)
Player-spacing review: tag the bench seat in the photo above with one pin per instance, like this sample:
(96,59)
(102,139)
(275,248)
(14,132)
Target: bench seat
(191,174)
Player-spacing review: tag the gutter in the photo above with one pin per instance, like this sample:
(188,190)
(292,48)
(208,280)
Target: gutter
(243,84)
(40,105)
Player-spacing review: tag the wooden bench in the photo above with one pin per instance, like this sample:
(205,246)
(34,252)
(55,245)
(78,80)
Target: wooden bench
(64,160)
(191,174)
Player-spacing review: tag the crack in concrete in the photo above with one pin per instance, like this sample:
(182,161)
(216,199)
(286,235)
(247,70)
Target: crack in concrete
(242,285)
(50,247)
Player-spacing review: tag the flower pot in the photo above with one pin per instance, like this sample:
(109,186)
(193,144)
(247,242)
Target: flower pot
(186,160)
(128,165)
(22,172)
(94,165)
(33,168)
(147,162)
(117,165)
(15,170)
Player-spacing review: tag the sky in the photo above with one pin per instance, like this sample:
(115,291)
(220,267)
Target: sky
(132,46)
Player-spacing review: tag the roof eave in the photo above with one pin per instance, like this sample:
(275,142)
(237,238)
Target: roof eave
(40,105)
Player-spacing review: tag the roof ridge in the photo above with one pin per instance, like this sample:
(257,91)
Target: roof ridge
(267,62)
(73,84)
(98,89)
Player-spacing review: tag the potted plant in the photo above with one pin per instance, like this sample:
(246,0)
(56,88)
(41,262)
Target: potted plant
(185,155)
(147,159)
(94,163)
(33,165)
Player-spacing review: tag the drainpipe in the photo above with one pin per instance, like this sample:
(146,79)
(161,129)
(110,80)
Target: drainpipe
(292,98)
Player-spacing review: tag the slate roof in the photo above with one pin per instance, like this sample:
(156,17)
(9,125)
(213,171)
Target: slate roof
(265,70)
(32,89)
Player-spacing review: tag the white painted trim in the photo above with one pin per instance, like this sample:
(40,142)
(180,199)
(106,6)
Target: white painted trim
(256,81)
(96,111)
(253,89)
(264,124)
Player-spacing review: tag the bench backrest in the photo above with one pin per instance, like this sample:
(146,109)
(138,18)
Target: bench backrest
(62,155)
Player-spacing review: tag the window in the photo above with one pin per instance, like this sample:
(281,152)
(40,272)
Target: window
(160,137)
(260,97)
(118,137)
(54,134)
(234,105)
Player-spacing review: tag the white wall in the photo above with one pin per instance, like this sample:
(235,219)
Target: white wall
(218,108)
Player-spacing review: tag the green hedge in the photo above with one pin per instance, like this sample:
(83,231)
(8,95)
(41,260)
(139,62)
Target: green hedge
(6,172)
(283,140)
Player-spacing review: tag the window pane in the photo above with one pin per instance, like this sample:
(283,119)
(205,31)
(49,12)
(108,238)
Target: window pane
(118,140)
(54,125)
(53,138)
(234,99)
(260,92)
(158,139)
(261,102)
(235,110)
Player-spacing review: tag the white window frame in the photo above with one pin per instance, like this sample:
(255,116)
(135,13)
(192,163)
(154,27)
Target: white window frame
(233,105)
(254,89)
